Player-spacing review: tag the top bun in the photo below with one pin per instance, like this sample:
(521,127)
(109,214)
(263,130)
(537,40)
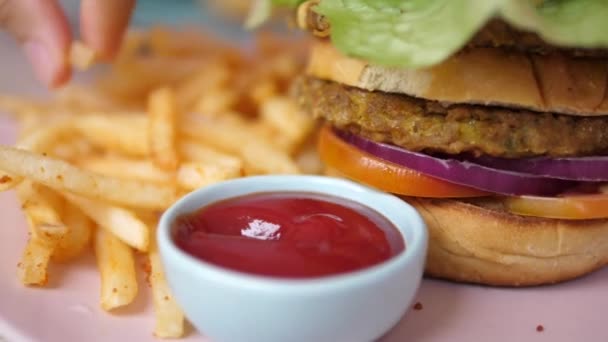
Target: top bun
(553,83)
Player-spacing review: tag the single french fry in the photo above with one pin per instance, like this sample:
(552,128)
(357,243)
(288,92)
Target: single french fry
(262,158)
(78,237)
(169,316)
(43,209)
(40,139)
(122,223)
(81,56)
(45,136)
(72,149)
(139,169)
(63,176)
(193,151)
(80,99)
(162,133)
(42,212)
(32,268)
(117,269)
(194,175)
(124,132)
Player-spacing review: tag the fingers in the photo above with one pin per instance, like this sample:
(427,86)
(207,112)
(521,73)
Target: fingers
(43,31)
(103,23)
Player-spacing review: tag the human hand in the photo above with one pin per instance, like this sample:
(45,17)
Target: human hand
(43,31)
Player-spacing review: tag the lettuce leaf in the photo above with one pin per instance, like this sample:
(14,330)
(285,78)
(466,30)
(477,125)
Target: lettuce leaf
(575,23)
(420,33)
(412,33)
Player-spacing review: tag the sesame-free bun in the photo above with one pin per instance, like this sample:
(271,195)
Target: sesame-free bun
(484,245)
(488,76)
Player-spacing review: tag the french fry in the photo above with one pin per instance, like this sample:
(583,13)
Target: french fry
(216,102)
(45,136)
(214,76)
(196,152)
(122,223)
(81,56)
(124,132)
(78,237)
(32,268)
(169,316)
(63,176)
(260,156)
(194,175)
(37,140)
(162,111)
(308,160)
(133,79)
(282,113)
(21,107)
(263,90)
(43,208)
(139,169)
(80,98)
(117,269)
(72,149)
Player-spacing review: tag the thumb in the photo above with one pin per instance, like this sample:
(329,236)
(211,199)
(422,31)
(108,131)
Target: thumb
(42,29)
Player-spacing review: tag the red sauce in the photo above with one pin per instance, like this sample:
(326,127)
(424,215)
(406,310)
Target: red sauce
(288,234)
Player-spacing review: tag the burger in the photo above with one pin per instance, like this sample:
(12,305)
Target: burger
(489,117)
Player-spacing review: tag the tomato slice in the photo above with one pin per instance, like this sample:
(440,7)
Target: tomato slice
(570,207)
(368,169)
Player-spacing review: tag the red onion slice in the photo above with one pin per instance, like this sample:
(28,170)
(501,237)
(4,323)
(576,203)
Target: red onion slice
(466,173)
(577,168)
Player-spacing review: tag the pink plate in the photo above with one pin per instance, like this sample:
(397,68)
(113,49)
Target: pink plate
(68,309)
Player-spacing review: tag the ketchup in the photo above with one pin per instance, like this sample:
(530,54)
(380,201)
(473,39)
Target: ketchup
(288,234)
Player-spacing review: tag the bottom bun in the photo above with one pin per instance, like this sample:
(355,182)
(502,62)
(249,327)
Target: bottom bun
(480,243)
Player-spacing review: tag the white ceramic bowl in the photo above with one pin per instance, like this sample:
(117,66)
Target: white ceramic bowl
(360,306)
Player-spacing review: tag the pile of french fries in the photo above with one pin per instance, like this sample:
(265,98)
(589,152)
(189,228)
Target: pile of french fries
(96,165)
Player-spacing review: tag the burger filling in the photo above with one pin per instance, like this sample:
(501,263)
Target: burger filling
(428,126)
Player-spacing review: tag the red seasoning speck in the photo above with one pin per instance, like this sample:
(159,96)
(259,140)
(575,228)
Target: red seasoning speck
(540,328)
(418,306)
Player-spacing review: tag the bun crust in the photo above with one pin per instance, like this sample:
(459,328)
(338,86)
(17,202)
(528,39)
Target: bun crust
(471,243)
(487,76)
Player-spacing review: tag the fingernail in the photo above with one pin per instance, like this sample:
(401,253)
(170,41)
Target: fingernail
(45,66)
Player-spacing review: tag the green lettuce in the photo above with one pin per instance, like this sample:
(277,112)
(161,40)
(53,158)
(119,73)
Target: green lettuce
(420,33)
(574,23)
(412,33)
